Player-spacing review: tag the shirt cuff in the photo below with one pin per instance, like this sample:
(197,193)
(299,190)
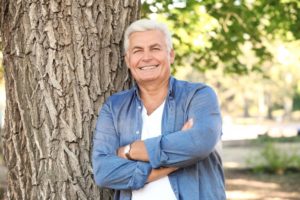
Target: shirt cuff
(157,157)
(140,175)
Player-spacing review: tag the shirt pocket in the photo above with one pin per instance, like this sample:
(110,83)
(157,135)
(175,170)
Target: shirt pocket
(128,130)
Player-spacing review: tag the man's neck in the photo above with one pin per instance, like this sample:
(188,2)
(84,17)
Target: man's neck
(153,95)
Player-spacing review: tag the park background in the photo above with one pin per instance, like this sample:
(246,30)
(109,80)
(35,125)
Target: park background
(249,52)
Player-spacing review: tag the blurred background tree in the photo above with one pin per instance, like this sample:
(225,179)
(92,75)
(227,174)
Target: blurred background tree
(248,50)
(215,31)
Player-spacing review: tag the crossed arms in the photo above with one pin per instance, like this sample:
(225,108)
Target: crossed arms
(139,152)
(155,157)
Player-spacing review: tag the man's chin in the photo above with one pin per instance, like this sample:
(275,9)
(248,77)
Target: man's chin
(146,79)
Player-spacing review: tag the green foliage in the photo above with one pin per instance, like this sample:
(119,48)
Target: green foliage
(296,161)
(296,101)
(275,160)
(209,34)
(267,139)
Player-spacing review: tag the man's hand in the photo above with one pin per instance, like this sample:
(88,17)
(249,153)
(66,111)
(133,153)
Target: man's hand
(160,173)
(121,152)
(188,124)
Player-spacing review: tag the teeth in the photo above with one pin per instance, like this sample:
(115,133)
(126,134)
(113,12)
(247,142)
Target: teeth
(148,67)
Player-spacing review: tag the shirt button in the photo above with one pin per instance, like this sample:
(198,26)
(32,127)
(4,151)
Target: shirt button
(140,107)
(137,132)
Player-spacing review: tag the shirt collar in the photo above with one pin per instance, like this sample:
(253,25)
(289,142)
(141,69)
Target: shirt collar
(170,89)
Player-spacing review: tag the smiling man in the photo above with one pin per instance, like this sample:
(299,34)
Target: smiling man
(157,141)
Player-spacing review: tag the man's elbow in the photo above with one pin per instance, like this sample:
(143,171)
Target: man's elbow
(201,153)
(100,179)
(100,182)
(100,176)
(103,182)
(203,149)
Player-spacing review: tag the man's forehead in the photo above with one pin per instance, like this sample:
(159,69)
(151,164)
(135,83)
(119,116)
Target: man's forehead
(147,45)
(147,38)
(147,33)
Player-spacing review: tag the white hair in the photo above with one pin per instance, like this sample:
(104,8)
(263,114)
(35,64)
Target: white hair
(146,25)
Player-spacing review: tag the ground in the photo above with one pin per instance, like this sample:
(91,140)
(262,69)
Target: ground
(245,185)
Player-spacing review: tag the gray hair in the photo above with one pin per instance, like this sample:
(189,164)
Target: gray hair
(146,25)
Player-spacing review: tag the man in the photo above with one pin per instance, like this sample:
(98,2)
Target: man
(157,140)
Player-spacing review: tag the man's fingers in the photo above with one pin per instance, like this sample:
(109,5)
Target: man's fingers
(184,126)
(120,152)
(188,124)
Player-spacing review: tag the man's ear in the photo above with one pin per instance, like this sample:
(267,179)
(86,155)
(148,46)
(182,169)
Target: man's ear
(172,56)
(127,60)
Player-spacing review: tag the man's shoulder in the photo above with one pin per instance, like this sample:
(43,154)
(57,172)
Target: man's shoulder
(187,90)
(122,95)
(188,86)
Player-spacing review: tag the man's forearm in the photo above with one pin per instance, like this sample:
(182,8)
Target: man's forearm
(160,173)
(138,151)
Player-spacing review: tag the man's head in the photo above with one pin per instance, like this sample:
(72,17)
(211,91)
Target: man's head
(146,25)
(149,51)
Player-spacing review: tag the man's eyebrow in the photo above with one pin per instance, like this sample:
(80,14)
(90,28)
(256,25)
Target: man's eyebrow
(155,45)
(136,47)
(151,46)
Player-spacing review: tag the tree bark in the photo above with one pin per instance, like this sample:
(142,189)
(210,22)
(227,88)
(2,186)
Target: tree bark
(62,59)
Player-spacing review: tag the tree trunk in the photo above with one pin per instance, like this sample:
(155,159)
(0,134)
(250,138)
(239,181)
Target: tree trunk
(62,60)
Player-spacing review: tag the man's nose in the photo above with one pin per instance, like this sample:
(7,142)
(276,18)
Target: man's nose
(147,56)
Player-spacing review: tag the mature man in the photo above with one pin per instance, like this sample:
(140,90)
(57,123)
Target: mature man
(157,140)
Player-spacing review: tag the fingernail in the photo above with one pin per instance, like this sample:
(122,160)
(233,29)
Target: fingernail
(191,121)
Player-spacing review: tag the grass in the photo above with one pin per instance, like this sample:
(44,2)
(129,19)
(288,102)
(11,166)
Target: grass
(266,139)
(273,159)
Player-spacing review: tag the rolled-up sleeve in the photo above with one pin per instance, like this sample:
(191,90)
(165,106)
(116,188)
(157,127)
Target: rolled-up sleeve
(183,148)
(111,171)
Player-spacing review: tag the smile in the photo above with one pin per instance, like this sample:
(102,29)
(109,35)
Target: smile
(148,67)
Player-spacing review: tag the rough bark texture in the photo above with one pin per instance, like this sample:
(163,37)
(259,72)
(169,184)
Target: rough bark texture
(62,59)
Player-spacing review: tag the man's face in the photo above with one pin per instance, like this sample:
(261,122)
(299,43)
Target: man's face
(148,57)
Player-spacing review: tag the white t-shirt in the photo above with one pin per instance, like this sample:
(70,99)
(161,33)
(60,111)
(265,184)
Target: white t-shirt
(160,189)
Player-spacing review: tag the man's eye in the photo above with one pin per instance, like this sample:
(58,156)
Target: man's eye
(136,51)
(156,49)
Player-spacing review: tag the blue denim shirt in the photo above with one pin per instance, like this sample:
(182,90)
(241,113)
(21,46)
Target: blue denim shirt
(120,122)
